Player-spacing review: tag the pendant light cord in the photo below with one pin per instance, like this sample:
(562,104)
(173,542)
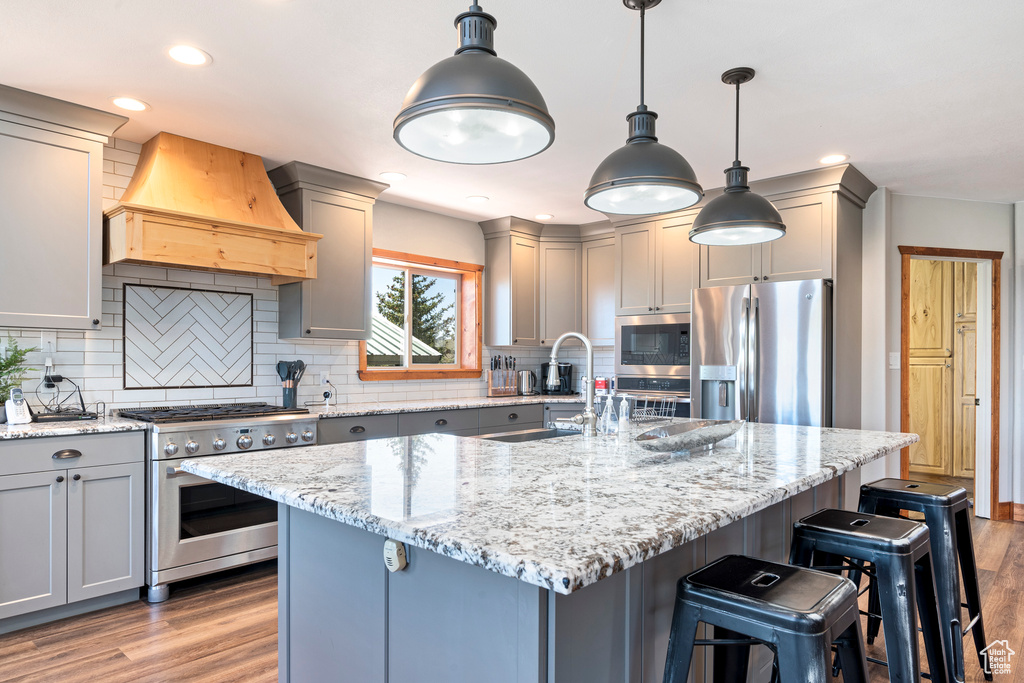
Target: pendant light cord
(642,9)
(737,124)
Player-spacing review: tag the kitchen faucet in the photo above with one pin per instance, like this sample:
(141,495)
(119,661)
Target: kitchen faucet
(589,417)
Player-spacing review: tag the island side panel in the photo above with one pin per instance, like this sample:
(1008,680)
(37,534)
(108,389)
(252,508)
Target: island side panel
(332,600)
(451,621)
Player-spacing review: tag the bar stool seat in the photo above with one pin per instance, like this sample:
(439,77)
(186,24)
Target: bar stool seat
(797,612)
(899,550)
(946,514)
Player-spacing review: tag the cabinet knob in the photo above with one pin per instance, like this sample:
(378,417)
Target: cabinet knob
(515,341)
(755,278)
(441,423)
(60,479)
(77,477)
(95,321)
(657,308)
(650,308)
(308,332)
(765,278)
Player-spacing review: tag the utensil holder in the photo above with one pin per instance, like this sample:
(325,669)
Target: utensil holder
(501,383)
(288,397)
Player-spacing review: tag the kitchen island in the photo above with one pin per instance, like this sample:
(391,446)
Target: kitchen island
(551,560)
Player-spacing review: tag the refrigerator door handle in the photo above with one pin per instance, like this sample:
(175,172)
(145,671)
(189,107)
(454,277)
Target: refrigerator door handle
(742,402)
(754,363)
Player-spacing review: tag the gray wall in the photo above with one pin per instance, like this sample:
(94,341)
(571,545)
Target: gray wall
(891,220)
(413,231)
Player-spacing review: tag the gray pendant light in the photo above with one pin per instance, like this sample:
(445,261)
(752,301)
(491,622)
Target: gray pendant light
(738,216)
(474,107)
(643,176)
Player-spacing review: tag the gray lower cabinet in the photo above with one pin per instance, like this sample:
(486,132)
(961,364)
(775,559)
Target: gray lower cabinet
(335,305)
(33,543)
(558,411)
(51,184)
(505,418)
(460,422)
(72,519)
(359,428)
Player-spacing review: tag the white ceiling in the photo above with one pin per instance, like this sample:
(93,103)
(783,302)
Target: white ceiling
(926,96)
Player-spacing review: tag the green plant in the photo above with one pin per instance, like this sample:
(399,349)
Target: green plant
(11,371)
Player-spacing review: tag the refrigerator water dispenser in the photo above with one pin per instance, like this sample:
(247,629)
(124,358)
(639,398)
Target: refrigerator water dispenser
(718,392)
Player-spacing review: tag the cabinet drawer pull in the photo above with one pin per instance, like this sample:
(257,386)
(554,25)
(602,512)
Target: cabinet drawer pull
(441,422)
(358,429)
(60,479)
(77,477)
(513,416)
(67,453)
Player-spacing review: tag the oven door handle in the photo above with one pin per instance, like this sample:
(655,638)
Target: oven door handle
(175,470)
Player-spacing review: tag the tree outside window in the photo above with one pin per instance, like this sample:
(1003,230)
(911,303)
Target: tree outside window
(414,319)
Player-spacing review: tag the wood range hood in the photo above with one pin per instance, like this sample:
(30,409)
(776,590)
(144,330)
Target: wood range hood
(199,206)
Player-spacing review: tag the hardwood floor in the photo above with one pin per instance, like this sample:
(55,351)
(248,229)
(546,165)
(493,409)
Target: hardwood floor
(212,630)
(224,629)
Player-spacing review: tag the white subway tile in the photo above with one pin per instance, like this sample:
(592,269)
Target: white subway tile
(229,280)
(135,271)
(234,392)
(189,394)
(127,145)
(141,395)
(121,156)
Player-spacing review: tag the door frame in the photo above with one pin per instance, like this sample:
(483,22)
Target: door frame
(998,510)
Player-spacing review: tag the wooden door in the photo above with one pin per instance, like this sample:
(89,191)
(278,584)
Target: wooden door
(525,289)
(805,253)
(561,279)
(676,267)
(931,309)
(965,297)
(33,542)
(965,364)
(635,269)
(931,402)
(599,291)
(106,534)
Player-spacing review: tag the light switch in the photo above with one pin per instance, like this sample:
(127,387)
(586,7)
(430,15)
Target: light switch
(894,360)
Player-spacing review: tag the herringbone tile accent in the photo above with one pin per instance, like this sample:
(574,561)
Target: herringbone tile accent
(186,338)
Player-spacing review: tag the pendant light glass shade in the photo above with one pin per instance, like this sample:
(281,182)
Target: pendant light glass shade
(644,176)
(474,107)
(738,216)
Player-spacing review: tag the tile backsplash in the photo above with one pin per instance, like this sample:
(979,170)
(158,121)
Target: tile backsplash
(94,358)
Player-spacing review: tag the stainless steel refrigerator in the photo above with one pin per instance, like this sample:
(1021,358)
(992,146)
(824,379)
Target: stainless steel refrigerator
(763,353)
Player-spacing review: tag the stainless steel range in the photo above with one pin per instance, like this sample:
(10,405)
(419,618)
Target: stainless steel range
(196,526)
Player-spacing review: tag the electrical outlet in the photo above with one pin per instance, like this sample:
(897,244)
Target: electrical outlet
(48,342)
(325,377)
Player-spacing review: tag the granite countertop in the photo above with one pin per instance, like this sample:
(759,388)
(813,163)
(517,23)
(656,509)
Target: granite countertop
(558,513)
(386,407)
(102,425)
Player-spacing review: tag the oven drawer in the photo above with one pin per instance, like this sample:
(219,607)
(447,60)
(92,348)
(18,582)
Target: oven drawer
(507,416)
(447,421)
(51,453)
(359,428)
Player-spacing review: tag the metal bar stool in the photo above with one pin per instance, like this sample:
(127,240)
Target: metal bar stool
(945,510)
(898,550)
(798,613)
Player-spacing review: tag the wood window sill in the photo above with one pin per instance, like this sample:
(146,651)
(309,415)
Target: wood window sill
(397,375)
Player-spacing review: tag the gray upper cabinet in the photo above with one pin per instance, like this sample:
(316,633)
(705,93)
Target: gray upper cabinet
(72,519)
(561,283)
(524,287)
(51,210)
(335,305)
(511,282)
(804,253)
(656,266)
(599,290)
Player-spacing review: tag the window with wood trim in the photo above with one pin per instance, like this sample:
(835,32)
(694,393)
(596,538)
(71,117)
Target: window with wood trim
(426,320)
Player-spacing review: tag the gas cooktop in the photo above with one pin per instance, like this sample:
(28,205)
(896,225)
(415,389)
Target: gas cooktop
(223,411)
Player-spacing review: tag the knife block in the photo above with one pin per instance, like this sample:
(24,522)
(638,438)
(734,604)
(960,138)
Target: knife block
(501,383)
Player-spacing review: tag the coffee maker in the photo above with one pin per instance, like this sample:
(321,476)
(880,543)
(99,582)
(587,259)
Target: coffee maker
(565,385)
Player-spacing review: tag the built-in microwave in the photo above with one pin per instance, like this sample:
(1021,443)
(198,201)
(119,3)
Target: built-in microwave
(653,345)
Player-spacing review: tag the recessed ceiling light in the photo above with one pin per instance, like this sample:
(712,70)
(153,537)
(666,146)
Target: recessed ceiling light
(192,56)
(543,216)
(476,199)
(393,176)
(834,158)
(129,103)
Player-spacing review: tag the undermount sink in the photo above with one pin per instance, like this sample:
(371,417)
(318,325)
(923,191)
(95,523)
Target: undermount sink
(528,435)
